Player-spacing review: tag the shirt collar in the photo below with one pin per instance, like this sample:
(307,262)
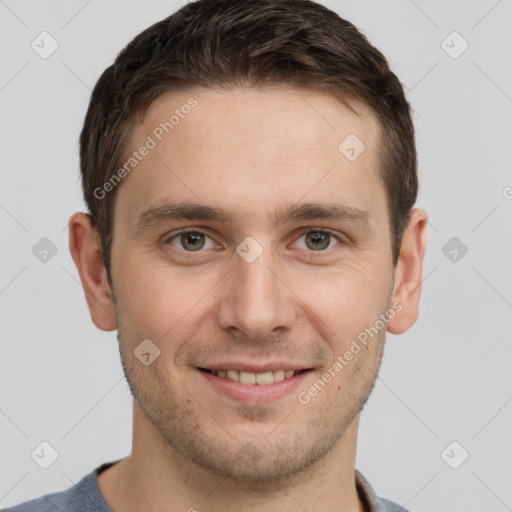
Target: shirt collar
(367,495)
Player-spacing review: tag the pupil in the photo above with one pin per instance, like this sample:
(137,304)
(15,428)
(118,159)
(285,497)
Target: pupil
(192,241)
(319,240)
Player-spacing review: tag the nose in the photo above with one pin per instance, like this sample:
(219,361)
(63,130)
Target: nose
(256,301)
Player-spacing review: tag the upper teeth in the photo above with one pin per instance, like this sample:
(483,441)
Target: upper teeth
(255,378)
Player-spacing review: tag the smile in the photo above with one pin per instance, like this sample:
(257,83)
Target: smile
(250,378)
(254,387)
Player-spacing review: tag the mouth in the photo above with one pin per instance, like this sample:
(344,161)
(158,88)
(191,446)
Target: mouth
(250,378)
(254,387)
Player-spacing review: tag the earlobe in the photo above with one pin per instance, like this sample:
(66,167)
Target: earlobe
(408,273)
(86,253)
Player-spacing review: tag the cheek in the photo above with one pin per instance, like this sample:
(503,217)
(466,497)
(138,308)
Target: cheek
(346,301)
(158,302)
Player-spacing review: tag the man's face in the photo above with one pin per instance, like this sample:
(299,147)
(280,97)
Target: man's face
(260,282)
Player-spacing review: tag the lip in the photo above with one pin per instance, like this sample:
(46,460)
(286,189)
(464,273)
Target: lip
(262,368)
(254,393)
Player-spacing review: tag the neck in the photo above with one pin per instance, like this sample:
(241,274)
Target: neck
(156,476)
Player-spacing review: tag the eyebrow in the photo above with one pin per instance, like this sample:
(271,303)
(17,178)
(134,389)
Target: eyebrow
(159,215)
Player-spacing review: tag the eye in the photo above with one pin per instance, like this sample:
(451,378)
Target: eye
(317,240)
(191,240)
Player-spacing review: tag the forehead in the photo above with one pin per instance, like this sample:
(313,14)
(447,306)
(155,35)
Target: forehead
(229,117)
(247,147)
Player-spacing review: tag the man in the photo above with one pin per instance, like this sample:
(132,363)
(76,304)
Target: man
(250,173)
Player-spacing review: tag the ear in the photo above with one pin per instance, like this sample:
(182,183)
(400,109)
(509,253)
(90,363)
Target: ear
(408,272)
(86,253)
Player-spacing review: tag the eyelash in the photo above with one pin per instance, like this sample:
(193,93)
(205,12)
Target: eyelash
(309,230)
(325,231)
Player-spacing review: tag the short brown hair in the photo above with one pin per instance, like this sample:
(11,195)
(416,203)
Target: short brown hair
(250,43)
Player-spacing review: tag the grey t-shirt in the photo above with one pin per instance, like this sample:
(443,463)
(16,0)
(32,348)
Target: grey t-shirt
(85,496)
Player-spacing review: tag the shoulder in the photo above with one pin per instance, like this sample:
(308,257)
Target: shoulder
(371,501)
(81,497)
(57,502)
(391,506)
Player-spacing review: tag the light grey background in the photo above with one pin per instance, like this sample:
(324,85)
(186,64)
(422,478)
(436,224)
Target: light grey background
(447,379)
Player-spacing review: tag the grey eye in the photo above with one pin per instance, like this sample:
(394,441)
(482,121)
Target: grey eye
(316,241)
(191,241)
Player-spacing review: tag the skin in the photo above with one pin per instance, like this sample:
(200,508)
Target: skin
(249,152)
